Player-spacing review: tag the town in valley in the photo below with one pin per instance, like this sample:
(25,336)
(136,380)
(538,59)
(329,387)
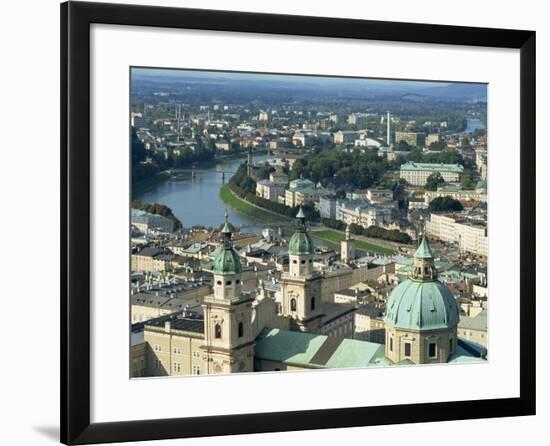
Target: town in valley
(284,222)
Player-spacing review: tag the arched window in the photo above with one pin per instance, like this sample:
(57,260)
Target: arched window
(312,303)
(292,304)
(241,329)
(237,281)
(218,331)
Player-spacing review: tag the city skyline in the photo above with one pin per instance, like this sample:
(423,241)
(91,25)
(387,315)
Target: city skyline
(357,235)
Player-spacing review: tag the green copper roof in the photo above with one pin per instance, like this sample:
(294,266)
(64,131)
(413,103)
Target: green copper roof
(227,262)
(300,242)
(288,346)
(417,305)
(424,251)
(316,351)
(354,353)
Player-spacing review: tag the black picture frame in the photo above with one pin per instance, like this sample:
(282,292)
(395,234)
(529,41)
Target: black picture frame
(76,18)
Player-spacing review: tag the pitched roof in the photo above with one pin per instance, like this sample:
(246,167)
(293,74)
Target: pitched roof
(316,351)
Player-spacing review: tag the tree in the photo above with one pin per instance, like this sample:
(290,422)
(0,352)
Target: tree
(479,132)
(356,229)
(298,169)
(340,194)
(445,204)
(438,145)
(393,235)
(466,180)
(138,149)
(402,146)
(158,209)
(433,181)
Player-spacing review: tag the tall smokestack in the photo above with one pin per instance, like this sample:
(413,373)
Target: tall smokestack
(388,131)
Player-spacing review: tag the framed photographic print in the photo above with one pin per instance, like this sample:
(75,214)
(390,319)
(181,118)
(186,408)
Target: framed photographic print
(277,223)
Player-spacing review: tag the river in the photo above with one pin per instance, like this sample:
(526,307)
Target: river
(473,124)
(195,200)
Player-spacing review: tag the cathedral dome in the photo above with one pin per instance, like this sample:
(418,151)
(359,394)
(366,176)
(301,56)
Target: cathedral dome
(300,243)
(422,302)
(415,305)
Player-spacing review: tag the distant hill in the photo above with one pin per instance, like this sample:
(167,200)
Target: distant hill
(455,91)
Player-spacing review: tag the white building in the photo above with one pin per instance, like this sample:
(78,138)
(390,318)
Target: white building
(456,193)
(471,235)
(270,190)
(146,222)
(417,173)
(345,137)
(362,213)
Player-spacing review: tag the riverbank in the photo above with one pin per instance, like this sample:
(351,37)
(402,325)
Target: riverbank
(148,184)
(335,236)
(244,207)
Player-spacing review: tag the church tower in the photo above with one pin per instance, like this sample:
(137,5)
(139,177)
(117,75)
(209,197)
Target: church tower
(422,315)
(301,285)
(229,346)
(347,249)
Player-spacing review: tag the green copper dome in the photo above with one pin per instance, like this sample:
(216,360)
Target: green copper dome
(300,243)
(227,260)
(415,305)
(422,302)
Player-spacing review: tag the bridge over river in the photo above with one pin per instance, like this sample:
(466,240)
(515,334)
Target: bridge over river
(193,195)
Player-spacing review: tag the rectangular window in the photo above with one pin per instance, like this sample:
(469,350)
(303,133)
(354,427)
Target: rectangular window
(177,367)
(451,349)
(391,344)
(157,364)
(432,350)
(157,348)
(196,370)
(407,349)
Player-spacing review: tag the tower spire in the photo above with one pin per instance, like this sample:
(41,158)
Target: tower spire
(226,232)
(424,265)
(301,217)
